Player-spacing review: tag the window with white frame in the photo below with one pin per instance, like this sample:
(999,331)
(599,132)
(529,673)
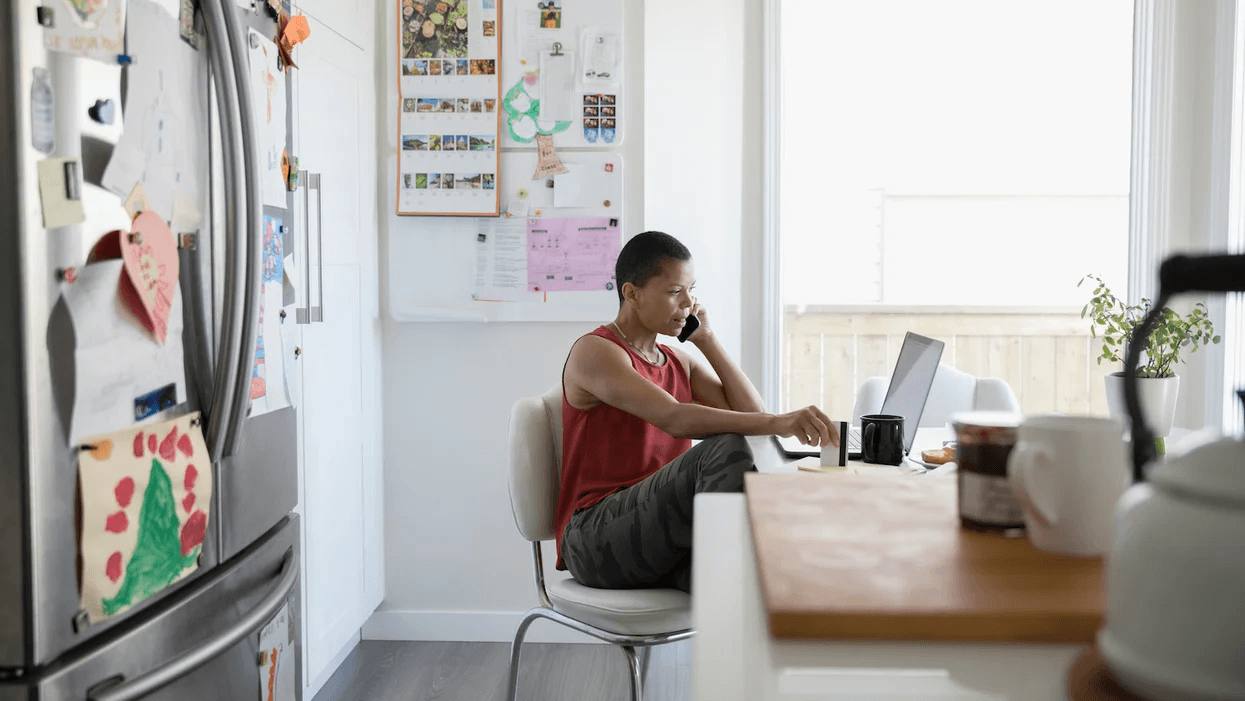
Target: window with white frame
(965,152)
(964,155)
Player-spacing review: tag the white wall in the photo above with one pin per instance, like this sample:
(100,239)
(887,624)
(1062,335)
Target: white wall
(456,567)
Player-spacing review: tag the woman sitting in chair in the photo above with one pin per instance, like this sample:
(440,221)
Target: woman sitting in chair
(630,408)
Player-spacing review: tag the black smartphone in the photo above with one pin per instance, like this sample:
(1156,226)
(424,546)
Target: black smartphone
(689,326)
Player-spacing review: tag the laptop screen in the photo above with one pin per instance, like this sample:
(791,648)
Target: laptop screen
(909,387)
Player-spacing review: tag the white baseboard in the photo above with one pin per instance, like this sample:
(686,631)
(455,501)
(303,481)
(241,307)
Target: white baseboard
(466,626)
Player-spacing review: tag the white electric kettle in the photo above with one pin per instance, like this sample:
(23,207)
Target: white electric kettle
(1175,572)
(1175,582)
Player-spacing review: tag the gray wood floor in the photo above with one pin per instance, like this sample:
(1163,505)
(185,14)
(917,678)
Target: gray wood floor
(421,671)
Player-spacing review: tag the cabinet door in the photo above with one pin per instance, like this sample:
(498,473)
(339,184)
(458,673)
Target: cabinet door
(351,21)
(333,471)
(330,132)
(331,138)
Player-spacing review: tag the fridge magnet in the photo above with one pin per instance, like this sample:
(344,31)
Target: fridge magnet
(145,496)
(547,163)
(293,31)
(42,112)
(607,130)
(137,202)
(60,192)
(186,22)
(155,401)
(550,14)
(151,267)
(91,28)
(592,130)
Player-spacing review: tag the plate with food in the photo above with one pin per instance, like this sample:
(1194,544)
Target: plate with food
(935,458)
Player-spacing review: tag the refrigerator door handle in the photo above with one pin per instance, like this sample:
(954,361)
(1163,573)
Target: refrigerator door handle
(229,342)
(317,312)
(186,663)
(254,223)
(303,314)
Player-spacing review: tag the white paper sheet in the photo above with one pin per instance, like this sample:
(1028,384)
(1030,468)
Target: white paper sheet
(501,261)
(115,358)
(533,38)
(585,186)
(91,29)
(268,380)
(557,87)
(163,144)
(601,67)
(268,104)
(276,671)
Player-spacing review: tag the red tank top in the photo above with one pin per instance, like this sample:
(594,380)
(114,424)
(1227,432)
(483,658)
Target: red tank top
(605,449)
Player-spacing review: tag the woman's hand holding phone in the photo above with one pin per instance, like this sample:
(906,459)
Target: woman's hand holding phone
(696,319)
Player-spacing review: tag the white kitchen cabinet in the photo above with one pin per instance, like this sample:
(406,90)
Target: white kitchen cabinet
(340,475)
(332,468)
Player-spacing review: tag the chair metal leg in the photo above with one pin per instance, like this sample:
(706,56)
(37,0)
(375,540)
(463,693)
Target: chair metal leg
(512,687)
(645,654)
(637,681)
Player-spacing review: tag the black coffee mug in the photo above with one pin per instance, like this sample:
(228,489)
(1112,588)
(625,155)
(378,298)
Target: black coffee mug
(881,439)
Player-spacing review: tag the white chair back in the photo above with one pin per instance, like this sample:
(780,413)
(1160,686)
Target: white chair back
(536,463)
(952,391)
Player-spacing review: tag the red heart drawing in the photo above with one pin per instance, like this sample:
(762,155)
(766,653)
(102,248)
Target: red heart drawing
(150,255)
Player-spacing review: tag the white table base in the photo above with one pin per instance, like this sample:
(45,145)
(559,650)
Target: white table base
(735,658)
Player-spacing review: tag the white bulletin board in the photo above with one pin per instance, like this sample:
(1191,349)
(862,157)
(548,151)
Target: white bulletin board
(442,268)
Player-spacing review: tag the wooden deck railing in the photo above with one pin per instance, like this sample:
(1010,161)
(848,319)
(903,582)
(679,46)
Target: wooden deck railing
(1046,355)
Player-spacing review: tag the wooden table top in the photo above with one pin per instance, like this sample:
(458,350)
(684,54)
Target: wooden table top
(883,557)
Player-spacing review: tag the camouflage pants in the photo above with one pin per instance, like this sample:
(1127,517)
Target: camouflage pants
(641,536)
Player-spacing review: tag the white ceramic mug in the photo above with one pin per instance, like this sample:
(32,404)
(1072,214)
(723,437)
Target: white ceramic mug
(1068,472)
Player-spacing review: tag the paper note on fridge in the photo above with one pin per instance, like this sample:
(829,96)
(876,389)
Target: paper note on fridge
(501,261)
(116,364)
(146,495)
(268,108)
(91,29)
(60,190)
(164,144)
(586,186)
(276,659)
(576,253)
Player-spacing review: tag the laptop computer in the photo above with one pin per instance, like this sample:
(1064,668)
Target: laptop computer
(905,396)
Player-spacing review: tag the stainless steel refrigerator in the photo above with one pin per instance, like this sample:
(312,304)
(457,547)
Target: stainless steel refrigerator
(198,638)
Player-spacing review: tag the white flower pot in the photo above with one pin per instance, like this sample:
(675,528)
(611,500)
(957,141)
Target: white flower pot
(1158,400)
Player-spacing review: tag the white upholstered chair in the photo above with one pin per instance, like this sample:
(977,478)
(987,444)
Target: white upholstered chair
(953,391)
(629,618)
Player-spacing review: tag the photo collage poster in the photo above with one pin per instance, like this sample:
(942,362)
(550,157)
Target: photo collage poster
(448,93)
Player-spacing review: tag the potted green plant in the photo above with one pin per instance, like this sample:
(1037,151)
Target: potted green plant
(1157,381)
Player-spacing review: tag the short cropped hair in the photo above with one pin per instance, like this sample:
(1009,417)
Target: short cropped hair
(643,256)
